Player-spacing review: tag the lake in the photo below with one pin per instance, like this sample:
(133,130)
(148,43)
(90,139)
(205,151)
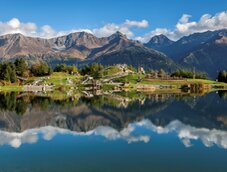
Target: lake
(109,133)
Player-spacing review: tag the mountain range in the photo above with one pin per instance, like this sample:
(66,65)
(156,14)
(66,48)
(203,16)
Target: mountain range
(206,51)
(83,48)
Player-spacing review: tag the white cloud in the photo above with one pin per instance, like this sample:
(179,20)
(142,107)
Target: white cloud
(134,23)
(186,27)
(15,26)
(184,18)
(30,29)
(124,28)
(182,28)
(14,23)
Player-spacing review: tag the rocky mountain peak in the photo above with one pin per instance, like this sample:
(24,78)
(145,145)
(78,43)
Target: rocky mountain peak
(118,35)
(160,40)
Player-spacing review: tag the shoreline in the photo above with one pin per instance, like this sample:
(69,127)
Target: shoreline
(66,82)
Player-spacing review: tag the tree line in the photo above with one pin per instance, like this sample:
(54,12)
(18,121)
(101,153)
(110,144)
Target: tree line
(222,76)
(20,67)
(10,70)
(189,74)
(180,73)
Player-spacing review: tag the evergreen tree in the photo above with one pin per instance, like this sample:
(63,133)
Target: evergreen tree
(8,72)
(222,76)
(21,67)
(13,77)
(161,73)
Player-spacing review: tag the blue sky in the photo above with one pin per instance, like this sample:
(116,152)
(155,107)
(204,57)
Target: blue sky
(66,15)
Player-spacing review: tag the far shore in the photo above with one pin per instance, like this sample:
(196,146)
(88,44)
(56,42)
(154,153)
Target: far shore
(65,82)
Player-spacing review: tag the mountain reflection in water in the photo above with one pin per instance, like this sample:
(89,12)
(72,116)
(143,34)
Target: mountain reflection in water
(25,118)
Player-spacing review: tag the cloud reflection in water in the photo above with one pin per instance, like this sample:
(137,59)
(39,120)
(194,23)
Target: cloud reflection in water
(186,133)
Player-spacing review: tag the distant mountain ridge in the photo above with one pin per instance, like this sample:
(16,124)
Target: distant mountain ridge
(206,51)
(78,45)
(84,48)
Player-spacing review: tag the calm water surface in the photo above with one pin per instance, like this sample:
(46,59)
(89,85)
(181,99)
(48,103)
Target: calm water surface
(158,133)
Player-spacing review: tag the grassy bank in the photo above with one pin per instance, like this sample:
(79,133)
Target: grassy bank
(133,79)
(64,82)
(10,88)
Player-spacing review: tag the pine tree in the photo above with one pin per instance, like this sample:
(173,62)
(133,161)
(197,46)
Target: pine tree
(13,77)
(21,67)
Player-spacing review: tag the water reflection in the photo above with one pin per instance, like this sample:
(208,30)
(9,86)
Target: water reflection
(25,118)
(185,133)
(47,133)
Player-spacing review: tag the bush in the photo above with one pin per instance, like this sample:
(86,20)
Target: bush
(40,68)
